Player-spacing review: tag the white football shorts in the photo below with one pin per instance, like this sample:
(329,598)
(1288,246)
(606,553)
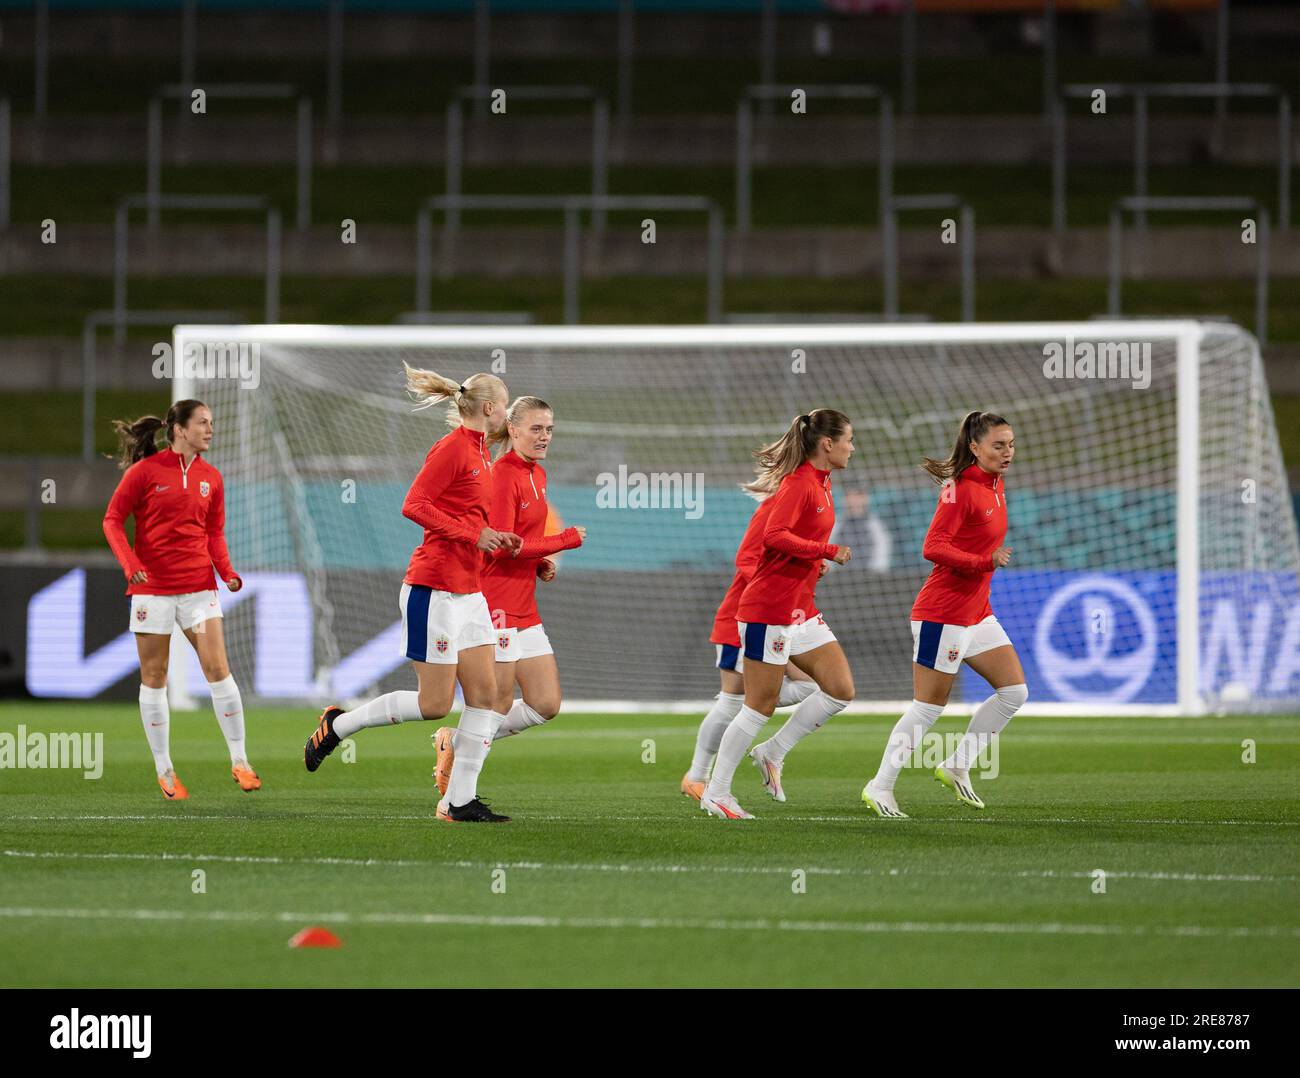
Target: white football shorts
(516,644)
(777,643)
(158,613)
(945,647)
(438,625)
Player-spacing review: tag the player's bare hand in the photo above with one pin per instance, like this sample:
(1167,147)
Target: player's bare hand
(490,540)
(234,583)
(139,577)
(1001,557)
(511,542)
(546,570)
(842,555)
(581,529)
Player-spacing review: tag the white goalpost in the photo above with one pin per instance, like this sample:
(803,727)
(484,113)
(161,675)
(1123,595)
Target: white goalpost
(1155,544)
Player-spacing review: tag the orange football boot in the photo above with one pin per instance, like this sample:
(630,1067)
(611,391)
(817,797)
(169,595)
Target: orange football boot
(246,777)
(692,788)
(442,741)
(172,787)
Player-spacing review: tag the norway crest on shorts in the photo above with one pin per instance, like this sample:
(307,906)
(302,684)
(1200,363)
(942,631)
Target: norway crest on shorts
(778,645)
(503,640)
(952,655)
(442,643)
(204,488)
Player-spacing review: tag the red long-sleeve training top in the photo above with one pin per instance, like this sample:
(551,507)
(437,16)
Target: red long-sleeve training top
(519,505)
(450,500)
(180,524)
(969,524)
(794,543)
(747,557)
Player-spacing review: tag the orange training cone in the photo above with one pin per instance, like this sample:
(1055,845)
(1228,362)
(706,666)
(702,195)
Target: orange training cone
(315,937)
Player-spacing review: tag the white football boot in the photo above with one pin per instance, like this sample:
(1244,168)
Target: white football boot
(770,770)
(725,807)
(882,802)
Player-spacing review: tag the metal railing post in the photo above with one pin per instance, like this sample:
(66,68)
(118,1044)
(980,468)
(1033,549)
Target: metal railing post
(304,162)
(572,257)
(744,149)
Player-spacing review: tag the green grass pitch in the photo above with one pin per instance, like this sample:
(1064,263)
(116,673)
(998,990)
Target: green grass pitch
(611,877)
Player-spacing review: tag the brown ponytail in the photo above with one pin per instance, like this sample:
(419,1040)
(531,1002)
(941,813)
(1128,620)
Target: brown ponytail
(796,445)
(138,438)
(973,428)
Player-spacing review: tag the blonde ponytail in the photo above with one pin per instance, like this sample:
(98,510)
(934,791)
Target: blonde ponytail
(778,459)
(429,388)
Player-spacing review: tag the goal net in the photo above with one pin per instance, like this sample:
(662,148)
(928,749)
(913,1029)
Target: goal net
(1155,547)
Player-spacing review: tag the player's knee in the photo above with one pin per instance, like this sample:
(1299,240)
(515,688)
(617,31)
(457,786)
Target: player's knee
(841,687)
(1014,696)
(435,707)
(480,697)
(215,672)
(154,673)
(546,706)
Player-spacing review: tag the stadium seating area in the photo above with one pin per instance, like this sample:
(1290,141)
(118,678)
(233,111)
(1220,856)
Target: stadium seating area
(320,114)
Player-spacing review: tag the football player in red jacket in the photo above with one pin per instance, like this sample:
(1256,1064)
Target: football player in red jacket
(769,757)
(777,617)
(523,650)
(952,621)
(179,504)
(446,629)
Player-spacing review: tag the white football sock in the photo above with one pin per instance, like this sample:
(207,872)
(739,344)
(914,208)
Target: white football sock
(904,738)
(803,721)
(989,720)
(795,692)
(711,730)
(736,740)
(472,739)
(518,719)
(230,715)
(156,716)
(395,707)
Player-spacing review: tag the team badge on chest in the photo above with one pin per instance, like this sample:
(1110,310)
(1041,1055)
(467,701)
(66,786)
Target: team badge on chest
(204,488)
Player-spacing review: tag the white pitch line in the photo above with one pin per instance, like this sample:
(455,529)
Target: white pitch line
(657,869)
(650,923)
(863,817)
(1037,737)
